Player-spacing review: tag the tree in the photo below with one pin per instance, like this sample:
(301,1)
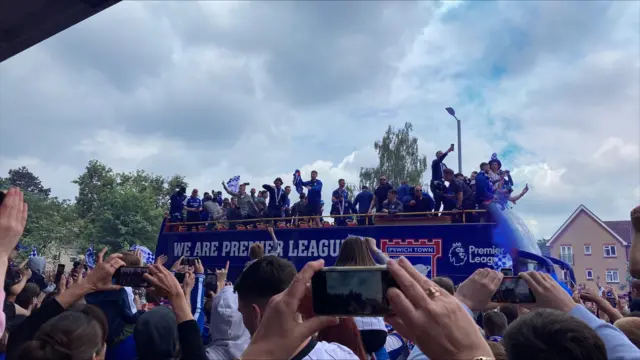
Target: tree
(398,159)
(26,181)
(122,209)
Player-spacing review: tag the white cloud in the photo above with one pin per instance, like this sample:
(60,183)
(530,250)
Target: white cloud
(216,89)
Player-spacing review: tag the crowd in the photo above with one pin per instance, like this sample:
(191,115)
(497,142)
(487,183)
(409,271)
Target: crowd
(451,194)
(267,313)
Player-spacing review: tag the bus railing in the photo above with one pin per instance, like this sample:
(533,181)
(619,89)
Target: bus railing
(309,221)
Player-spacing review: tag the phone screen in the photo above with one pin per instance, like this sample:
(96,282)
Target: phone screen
(351,291)
(179,277)
(188,261)
(59,272)
(130,276)
(513,290)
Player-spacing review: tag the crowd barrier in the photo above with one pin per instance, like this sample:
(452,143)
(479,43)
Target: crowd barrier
(308,221)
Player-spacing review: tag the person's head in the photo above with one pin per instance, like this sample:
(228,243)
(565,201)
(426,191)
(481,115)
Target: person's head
(338,196)
(341,183)
(459,176)
(258,283)
(303,198)
(264,194)
(354,251)
(75,334)
(439,153)
(314,174)
(234,202)
(392,195)
(277,182)
(242,188)
(635,288)
(417,191)
(383,180)
(365,188)
(130,258)
(404,182)
(630,326)
(494,323)
(484,167)
(510,311)
(447,174)
(498,350)
(182,190)
(77,266)
(287,189)
(28,297)
(494,165)
(194,193)
(553,335)
(445,283)
(156,334)
(256,251)
(473,175)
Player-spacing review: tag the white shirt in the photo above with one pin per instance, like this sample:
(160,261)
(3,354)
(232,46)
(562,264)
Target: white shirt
(330,351)
(370,323)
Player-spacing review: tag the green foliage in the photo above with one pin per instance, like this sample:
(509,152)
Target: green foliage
(111,209)
(399,159)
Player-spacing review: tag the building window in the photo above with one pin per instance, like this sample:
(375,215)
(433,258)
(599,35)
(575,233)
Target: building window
(610,251)
(589,274)
(566,254)
(613,276)
(587,249)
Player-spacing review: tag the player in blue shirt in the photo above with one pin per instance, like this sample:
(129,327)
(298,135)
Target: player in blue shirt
(314,196)
(193,207)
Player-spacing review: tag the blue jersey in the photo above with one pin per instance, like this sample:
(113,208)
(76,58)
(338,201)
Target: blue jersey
(194,203)
(177,203)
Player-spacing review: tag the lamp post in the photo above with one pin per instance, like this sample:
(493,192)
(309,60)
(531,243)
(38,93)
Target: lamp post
(453,113)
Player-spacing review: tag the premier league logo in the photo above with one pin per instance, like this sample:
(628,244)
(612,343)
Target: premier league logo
(422,253)
(457,255)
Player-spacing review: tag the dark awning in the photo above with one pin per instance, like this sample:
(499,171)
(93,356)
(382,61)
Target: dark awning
(24,23)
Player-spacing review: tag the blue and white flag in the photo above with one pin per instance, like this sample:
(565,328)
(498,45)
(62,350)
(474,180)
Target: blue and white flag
(147,255)
(90,257)
(502,261)
(34,252)
(297,181)
(234,183)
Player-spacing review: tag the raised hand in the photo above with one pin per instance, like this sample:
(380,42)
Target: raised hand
(431,317)
(162,259)
(198,268)
(222,274)
(164,282)
(280,334)
(477,290)
(100,278)
(176,264)
(13,218)
(549,294)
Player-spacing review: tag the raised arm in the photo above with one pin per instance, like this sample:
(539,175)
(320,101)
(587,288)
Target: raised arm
(224,186)
(513,199)
(276,249)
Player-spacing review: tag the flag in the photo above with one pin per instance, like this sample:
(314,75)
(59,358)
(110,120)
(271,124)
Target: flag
(34,252)
(297,181)
(90,257)
(147,255)
(234,183)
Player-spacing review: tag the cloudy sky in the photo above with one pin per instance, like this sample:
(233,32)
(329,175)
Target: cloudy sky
(258,89)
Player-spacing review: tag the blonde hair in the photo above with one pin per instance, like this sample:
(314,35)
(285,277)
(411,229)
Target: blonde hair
(256,251)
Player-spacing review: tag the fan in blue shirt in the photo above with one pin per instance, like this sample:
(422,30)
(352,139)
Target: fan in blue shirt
(193,207)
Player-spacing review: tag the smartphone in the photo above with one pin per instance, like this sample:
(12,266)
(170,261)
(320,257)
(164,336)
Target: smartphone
(352,291)
(188,261)
(507,271)
(59,272)
(513,290)
(179,277)
(610,298)
(130,276)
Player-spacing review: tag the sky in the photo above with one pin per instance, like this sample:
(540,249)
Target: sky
(257,89)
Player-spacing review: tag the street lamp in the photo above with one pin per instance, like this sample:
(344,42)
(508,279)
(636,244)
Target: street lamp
(453,113)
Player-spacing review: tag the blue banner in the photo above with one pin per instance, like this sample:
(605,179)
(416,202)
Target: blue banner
(435,250)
